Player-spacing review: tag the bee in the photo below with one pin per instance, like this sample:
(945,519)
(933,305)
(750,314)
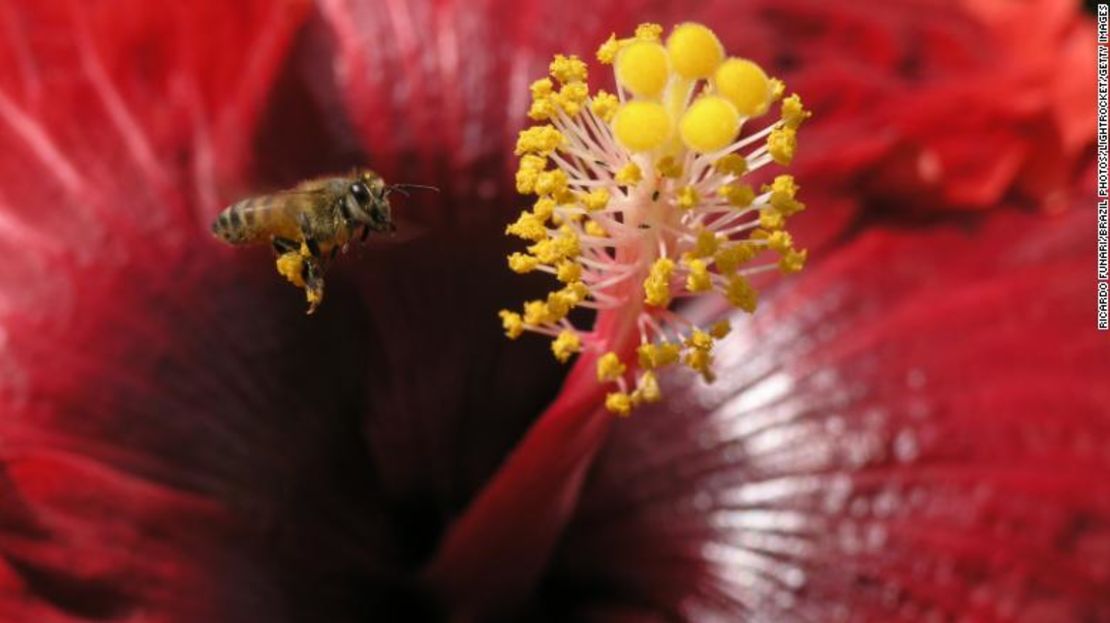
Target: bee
(309,224)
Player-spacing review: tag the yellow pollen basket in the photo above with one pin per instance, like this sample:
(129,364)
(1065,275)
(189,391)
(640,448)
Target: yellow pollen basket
(644,199)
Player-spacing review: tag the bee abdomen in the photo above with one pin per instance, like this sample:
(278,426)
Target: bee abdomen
(236,222)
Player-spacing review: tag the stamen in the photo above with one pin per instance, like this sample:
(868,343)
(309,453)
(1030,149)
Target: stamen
(643,200)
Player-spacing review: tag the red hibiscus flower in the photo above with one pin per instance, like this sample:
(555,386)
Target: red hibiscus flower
(910,429)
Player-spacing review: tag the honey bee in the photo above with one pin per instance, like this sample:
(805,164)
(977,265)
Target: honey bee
(308,225)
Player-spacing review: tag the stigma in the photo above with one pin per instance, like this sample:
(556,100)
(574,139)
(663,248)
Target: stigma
(644,200)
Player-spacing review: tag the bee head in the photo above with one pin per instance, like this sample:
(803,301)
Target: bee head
(367,202)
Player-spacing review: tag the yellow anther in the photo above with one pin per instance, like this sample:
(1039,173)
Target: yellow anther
(528,227)
(596,200)
(783,190)
(642,125)
(654,356)
(793,113)
(543,109)
(698,280)
(604,105)
(695,51)
(535,312)
(741,293)
(532,162)
(667,166)
(550,251)
(657,286)
(526,181)
(564,197)
(540,139)
(739,195)
(565,345)
(551,182)
(543,209)
(700,361)
(542,88)
(720,329)
(731,164)
(780,242)
(522,263)
(745,85)
(711,123)
(543,104)
(576,292)
(731,257)
(593,228)
(700,340)
(628,175)
(512,323)
(771,219)
(793,261)
(572,96)
(647,388)
(643,68)
(609,367)
(619,403)
(608,50)
(568,271)
(649,31)
(558,305)
(687,198)
(788,207)
(706,243)
(530,168)
(567,69)
(783,185)
(291,266)
(778,87)
(781,145)
(568,243)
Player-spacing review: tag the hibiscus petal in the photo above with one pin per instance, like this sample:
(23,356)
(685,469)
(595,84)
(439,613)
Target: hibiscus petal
(172,419)
(911,430)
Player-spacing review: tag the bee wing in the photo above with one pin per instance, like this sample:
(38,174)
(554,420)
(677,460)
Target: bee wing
(407,231)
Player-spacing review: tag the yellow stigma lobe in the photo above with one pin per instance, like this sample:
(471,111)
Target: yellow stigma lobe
(710,124)
(642,126)
(744,84)
(695,51)
(643,68)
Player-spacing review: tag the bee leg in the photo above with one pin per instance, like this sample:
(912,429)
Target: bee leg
(365,233)
(313,278)
(283,245)
(306,233)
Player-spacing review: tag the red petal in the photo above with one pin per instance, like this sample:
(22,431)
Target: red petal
(912,429)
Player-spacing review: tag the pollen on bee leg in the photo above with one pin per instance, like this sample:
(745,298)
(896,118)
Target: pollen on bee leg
(291,266)
(646,200)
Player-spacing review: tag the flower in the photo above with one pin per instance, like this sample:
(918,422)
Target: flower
(648,199)
(179,443)
(932,106)
(846,468)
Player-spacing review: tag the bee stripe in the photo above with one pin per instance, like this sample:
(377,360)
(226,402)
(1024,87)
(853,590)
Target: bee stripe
(235,219)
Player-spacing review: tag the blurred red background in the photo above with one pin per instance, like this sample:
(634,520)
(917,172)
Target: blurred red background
(915,428)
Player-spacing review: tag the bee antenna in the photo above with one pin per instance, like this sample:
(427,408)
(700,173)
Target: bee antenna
(401,188)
